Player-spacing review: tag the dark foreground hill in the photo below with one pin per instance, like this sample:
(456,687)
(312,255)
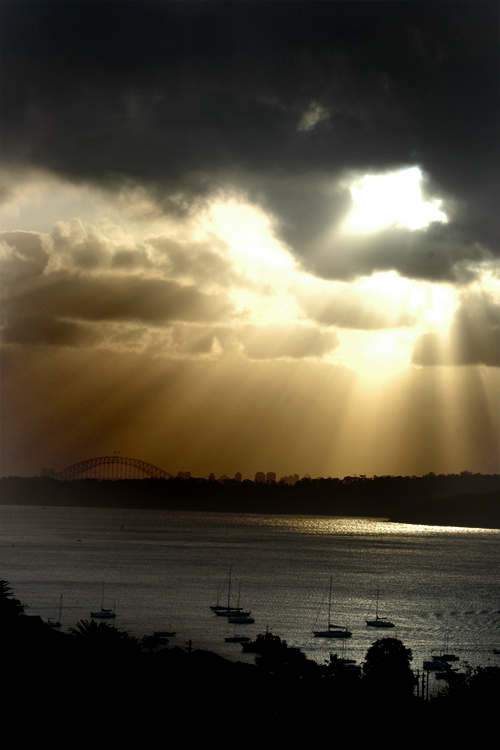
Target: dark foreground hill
(83,691)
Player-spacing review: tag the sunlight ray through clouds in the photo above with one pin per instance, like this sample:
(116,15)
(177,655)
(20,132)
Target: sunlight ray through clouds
(275,242)
(393,198)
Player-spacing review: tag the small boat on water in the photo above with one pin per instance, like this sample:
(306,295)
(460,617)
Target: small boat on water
(57,624)
(433,666)
(231,613)
(266,643)
(104,614)
(332,631)
(237,639)
(241,620)
(445,656)
(379,622)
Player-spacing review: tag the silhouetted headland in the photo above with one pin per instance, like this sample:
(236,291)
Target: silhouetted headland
(464,499)
(100,682)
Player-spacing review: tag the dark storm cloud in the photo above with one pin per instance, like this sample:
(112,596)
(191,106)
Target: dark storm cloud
(154,301)
(43,329)
(438,253)
(474,336)
(186,96)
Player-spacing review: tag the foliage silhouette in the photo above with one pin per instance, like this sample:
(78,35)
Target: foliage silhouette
(9,606)
(103,636)
(387,665)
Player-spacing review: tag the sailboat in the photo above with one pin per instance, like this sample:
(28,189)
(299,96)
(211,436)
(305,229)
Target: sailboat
(445,656)
(332,631)
(240,617)
(213,607)
(379,622)
(57,624)
(104,613)
(229,611)
(236,637)
(222,607)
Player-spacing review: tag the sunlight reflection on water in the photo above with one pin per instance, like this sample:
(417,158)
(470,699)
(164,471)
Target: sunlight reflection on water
(164,569)
(344,525)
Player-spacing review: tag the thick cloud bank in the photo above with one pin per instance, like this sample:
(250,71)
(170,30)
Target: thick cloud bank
(280,100)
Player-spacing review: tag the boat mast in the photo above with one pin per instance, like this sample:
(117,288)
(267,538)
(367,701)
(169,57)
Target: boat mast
(229,589)
(330,604)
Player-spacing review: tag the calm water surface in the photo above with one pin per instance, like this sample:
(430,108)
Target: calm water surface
(163,570)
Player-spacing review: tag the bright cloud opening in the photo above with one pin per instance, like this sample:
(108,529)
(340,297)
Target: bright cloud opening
(391,199)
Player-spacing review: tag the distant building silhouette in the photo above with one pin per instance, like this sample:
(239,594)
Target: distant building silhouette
(237,477)
(260,477)
(211,478)
(183,475)
(271,476)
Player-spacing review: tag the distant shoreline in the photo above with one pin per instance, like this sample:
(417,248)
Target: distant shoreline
(467,500)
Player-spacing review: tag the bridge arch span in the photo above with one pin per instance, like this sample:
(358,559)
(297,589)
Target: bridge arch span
(113,467)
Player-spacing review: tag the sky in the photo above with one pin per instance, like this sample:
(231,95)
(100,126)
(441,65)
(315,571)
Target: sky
(250,236)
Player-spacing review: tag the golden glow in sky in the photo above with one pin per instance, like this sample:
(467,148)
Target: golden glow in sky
(273,246)
(391,199)
(327,361)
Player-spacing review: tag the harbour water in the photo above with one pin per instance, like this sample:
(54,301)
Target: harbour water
(162,571)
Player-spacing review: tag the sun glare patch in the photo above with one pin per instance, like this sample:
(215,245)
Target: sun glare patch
(391,199)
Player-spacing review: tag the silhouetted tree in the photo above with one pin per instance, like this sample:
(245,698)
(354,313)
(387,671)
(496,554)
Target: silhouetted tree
(287,661)
(103,636)
(9,607)
(387,666)
(478,688)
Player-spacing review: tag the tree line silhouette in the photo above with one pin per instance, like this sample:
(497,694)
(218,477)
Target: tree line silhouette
(464,499)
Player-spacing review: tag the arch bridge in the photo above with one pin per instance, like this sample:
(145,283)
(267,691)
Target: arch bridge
(113,467)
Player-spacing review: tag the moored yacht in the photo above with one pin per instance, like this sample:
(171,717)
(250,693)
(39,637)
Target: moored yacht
(104,614)
(332,631)
(379,622)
